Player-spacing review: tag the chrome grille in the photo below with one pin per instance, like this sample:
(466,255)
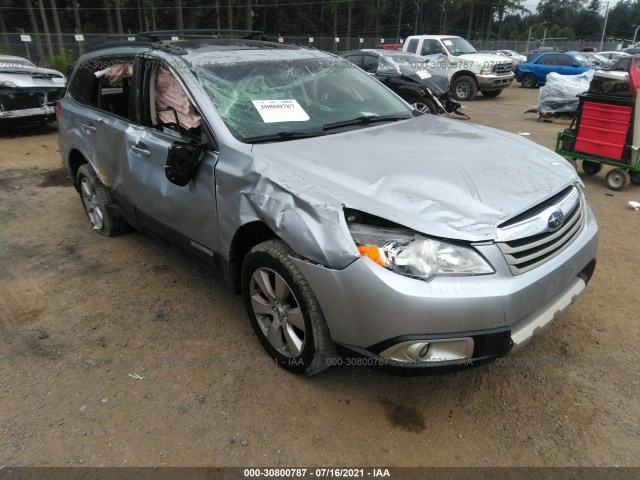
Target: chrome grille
(502,68)
(538,243)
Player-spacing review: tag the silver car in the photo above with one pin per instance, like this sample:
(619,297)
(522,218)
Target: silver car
(353,226)
(28,94)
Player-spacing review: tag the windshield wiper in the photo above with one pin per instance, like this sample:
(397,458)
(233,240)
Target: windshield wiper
(364,120)
(282,137)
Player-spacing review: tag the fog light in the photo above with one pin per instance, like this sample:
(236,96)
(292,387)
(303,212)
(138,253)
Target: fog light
(426,351)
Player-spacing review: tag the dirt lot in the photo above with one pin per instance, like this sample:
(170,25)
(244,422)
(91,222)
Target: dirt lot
(120,351)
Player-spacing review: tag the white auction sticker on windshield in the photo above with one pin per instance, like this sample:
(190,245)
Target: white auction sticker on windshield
(275,111)
(448,43)
(423,74)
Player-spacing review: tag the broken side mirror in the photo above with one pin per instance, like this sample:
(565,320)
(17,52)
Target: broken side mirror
(182,162)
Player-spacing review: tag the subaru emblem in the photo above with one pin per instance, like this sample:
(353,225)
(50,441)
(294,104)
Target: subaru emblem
(555,220)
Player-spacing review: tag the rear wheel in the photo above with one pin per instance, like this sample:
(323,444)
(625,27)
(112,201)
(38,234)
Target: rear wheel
(464,88)
(528,80)
(591,168)
(617,179)
(97,203)
(284,311)
(635,177)
(491,93)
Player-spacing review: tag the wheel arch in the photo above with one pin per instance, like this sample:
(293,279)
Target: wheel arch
(463,73)
(75,161)
(246,237)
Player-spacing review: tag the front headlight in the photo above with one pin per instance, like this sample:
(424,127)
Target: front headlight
(414,255)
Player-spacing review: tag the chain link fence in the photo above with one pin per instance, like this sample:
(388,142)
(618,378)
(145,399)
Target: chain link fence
(13,45)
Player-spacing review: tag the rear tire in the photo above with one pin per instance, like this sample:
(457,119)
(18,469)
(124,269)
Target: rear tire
(284,311)
(591,168)
(97,203)
(528,80)
(634,177)
(464,88)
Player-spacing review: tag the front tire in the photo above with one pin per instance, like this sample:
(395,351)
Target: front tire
(284,311)
(464,88)
(528,80)
(97,203)
(424,105)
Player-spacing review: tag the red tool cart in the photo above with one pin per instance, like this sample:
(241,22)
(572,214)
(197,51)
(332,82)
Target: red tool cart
(603,134)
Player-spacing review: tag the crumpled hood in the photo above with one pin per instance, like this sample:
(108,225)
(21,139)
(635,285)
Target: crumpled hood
(437,83)
(439,176)
(29,77)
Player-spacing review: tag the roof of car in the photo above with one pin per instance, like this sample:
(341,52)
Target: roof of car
(201,48)
(6,58)
(437,37)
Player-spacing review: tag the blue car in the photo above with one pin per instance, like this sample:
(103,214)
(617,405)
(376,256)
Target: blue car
(534,72)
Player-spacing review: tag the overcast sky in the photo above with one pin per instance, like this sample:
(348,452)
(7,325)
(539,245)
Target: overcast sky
(532,4)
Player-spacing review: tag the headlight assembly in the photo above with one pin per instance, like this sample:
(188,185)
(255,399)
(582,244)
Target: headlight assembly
(414,255)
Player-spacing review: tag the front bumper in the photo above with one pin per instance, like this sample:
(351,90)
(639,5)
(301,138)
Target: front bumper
(44,113)
(494,82)
(368,308)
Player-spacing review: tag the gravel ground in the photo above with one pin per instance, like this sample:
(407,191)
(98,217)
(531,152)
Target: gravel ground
(122,351)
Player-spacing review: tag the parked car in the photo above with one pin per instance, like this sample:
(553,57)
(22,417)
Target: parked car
(514,63)
(346,219)
(515,56)
(534,72)
(469,70)
(408,75)
(613,55)
(595,60)
(28,94)
(632,50)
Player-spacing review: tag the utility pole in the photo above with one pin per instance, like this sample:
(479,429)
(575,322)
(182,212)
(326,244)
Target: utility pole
(604,29)
(529,40)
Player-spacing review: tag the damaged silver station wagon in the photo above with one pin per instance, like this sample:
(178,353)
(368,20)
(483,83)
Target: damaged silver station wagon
(350,223)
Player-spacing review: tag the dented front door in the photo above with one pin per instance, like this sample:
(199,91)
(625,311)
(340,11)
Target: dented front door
(183,214)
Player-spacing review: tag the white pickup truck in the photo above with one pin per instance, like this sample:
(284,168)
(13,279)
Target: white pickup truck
(469,71)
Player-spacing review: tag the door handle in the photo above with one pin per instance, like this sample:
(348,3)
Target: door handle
(89,128)
(139,151)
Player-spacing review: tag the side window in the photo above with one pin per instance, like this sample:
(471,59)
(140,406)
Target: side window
(546,60)
(413,45)
(355,59)
(166,103)
(370,64)
(105,84)
(565,61)
(431,47)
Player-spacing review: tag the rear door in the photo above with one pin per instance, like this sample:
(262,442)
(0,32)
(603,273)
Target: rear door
(167,115)
(101,95)
(545,65)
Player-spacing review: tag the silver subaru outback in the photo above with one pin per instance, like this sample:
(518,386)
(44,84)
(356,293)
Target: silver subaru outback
(352,225)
